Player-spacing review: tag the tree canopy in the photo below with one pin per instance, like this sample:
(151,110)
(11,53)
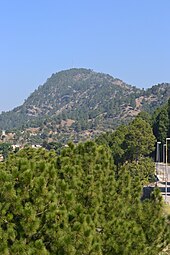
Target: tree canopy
(76,203)
(130,142)
(139,140)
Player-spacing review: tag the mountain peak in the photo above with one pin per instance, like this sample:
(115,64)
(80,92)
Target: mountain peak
(88,99)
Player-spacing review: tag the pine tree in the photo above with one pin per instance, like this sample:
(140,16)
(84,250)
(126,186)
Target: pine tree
(139,141)
(74,204)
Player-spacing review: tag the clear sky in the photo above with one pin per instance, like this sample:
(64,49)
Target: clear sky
(128,39)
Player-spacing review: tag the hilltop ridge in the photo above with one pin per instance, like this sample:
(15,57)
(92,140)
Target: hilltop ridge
(79,99)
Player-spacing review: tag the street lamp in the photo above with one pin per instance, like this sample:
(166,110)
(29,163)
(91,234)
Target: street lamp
(157,156)
(166,176)
(164,160)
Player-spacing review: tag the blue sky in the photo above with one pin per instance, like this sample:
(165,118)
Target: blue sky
(128,39)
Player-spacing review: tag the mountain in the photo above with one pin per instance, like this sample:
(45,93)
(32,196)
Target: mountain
(75,102)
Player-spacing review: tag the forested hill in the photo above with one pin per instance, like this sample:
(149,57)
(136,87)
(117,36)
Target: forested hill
(81,99)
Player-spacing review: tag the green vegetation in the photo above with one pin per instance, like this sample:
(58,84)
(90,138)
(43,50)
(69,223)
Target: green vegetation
(85,198)
(78,203)
(75,101)
(131,142)
(161,122)
(5,149)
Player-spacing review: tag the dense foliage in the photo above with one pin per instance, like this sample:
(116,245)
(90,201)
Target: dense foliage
(130,142)
(5,148)
(77,203)
(161,122)
(85,198)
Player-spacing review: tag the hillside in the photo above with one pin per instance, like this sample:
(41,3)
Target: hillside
(75,101)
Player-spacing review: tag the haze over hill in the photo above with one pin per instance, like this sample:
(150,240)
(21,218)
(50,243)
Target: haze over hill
(80,99)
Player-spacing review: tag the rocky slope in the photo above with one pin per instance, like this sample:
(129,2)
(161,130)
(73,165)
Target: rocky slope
(78,100)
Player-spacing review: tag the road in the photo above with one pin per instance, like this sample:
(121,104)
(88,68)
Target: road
(163,174)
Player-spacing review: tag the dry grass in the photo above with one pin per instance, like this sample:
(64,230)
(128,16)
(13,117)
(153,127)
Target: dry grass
(166,209)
